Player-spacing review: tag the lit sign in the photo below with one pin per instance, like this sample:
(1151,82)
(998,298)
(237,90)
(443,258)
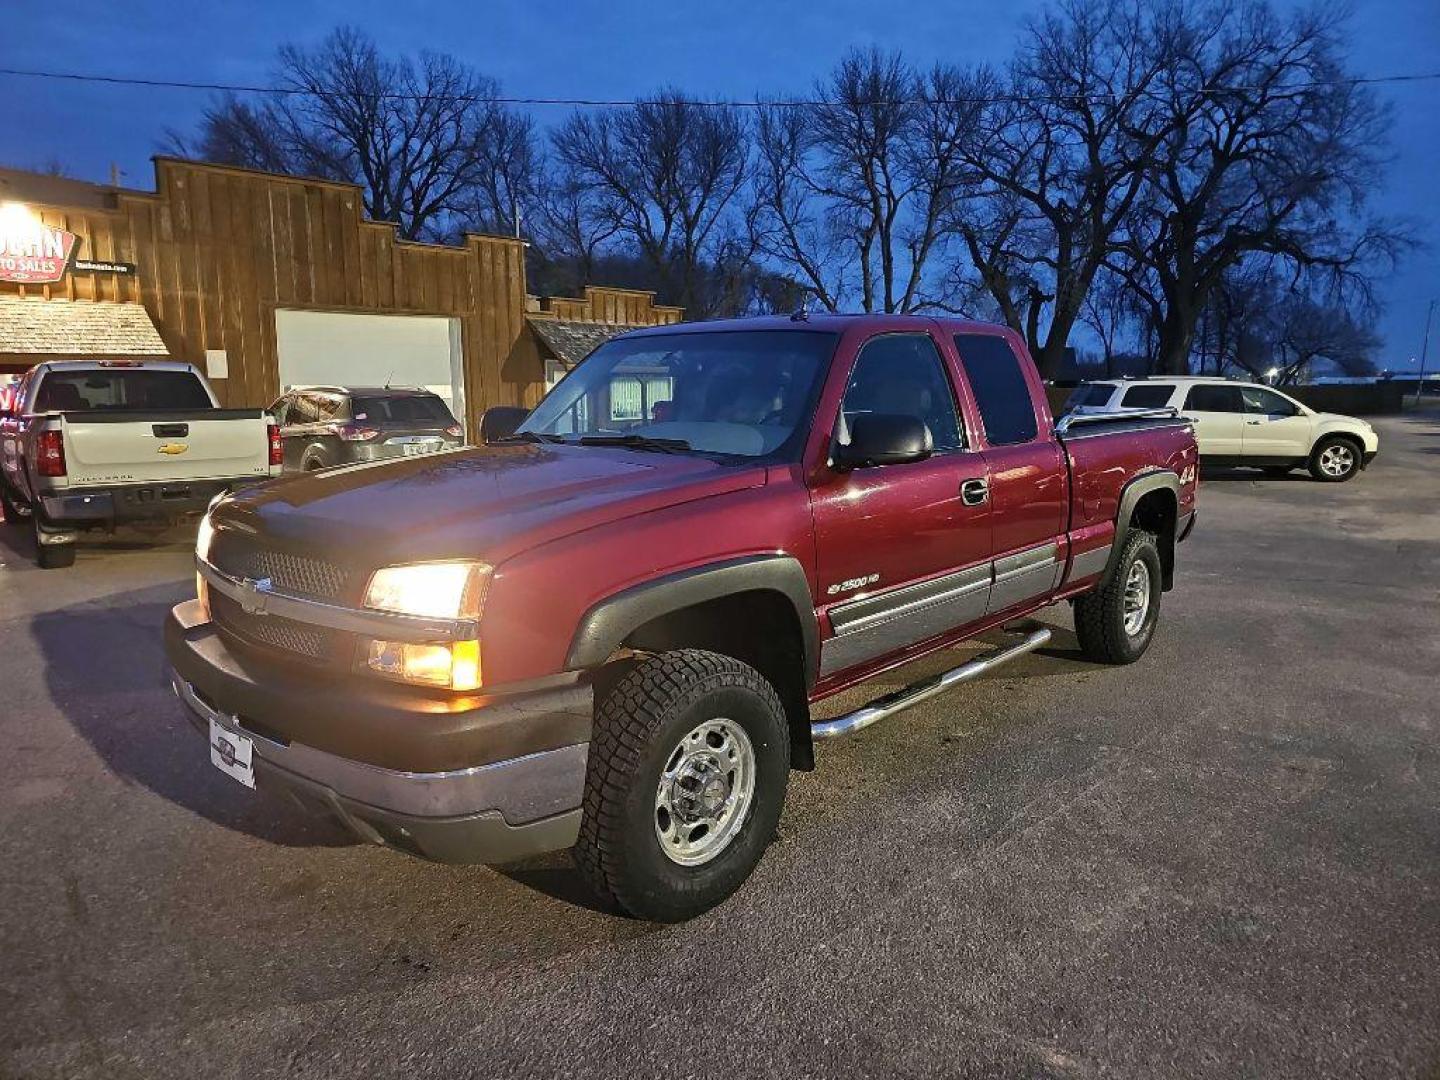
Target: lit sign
(32,252)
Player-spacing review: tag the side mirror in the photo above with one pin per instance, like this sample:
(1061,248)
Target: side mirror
(500,421)
(883,439)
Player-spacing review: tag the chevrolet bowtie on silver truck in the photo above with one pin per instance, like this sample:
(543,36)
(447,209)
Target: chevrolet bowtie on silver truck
(606,628)
(94,444)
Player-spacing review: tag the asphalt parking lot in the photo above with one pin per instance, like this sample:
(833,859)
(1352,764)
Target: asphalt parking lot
(1223,861)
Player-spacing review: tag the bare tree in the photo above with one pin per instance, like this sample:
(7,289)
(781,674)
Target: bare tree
(1059,154)
(661,175)
(426,139)
(1269,151)
(854,190)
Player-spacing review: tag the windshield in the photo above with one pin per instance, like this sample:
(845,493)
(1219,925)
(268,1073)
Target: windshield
(411,409)
(108,388)
(746,393)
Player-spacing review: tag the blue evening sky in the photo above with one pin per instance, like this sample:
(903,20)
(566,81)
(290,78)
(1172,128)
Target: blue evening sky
(615,49)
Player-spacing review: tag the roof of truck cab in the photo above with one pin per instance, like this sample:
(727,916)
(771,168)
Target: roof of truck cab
(833,323)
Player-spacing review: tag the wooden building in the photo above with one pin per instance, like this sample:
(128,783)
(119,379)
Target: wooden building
(270,281)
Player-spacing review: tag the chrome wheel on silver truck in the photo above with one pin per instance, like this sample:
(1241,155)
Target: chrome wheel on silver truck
(684,785)
(1115,622)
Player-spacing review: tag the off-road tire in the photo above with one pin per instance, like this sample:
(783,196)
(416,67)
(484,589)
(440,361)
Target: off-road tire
(1100,614)
(638,725)
(1335,440)
(51,556)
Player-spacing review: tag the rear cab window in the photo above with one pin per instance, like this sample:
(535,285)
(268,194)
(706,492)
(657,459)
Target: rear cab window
(100,389)
(1147,396)
(1002,393)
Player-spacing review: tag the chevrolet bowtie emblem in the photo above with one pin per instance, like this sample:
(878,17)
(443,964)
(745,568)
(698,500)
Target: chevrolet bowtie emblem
(254,595)
(173,448)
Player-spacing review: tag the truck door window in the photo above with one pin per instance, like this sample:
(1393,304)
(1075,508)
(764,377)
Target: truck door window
(902,373)
(1266,402)
(1214,399)
(1001,390)
(1149,396)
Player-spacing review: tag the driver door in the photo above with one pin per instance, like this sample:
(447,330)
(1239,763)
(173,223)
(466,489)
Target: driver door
(903,551)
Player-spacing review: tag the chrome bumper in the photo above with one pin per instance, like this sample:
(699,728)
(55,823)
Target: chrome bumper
(490,813)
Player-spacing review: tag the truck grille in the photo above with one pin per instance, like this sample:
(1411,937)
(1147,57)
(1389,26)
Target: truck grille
(297,575)
(274,632)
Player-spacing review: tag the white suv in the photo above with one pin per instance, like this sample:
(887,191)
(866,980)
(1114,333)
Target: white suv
(1241,423)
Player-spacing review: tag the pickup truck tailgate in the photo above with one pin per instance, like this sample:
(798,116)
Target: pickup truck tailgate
(132,447)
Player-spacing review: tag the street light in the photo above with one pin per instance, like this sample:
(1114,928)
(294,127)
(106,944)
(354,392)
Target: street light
(1424,351)
(1272,375)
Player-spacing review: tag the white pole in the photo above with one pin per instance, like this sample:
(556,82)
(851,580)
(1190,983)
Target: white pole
(1424,350)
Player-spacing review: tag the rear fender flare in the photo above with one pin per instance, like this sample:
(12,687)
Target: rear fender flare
(1130,496)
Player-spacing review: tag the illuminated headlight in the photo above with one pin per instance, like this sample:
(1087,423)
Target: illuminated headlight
(441,590)
(448,590)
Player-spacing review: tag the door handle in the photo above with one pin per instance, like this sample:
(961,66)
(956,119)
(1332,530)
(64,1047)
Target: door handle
(974,492)
(1252,423)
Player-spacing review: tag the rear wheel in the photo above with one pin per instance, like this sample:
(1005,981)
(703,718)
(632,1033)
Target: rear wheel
(1116,622)
(684,786)
(1335,459)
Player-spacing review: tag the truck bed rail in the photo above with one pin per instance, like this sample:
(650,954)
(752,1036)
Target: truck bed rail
(1082,425)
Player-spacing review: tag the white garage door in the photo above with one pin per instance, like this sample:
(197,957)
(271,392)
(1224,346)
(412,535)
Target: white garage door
(341,349)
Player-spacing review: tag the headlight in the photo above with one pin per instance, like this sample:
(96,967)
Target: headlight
(448,590)
(205,537)
(442,590)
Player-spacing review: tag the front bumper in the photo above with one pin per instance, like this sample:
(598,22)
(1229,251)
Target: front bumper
(516,792)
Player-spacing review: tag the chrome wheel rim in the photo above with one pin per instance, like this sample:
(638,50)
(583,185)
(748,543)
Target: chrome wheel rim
(1137,597)
(705,792)
(1337,460)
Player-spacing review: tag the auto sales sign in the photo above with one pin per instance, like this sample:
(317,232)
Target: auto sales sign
(31,252)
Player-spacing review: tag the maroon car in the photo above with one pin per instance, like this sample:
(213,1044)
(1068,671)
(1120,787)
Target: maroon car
(606,629)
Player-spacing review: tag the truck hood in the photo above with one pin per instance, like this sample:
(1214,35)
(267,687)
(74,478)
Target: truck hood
(486,503)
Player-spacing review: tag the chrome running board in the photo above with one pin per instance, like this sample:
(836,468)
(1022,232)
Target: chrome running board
(899,700)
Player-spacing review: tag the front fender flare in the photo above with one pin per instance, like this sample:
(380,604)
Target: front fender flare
(608,623)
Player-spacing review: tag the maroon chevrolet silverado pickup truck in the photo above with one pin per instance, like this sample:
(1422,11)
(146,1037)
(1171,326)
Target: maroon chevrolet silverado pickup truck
(606,629)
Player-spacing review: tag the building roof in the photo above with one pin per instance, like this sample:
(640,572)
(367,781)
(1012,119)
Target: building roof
(76,328)
(573,341)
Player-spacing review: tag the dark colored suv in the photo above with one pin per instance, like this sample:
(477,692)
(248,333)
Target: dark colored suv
(336,425)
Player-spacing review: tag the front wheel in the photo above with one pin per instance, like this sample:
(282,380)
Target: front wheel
(684,786)
(1116,621)
(1334,460)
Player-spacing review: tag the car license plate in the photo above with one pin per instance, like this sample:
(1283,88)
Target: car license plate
(232,754)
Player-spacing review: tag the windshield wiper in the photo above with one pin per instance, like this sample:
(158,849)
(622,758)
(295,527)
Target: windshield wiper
(636,442)
(532,436)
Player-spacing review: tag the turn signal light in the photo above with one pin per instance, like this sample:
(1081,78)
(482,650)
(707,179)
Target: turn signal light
(50,456)
(455,666)
(455,431)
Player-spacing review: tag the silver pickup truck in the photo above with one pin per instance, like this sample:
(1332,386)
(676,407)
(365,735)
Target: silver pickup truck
(96,444)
